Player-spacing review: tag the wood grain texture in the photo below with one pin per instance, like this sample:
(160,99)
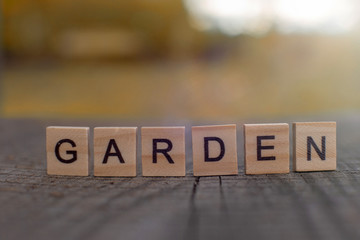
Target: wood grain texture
(297,206)
(266,148)
(170,151)
(79,152)
(123,147)
(228,164)
(318,132)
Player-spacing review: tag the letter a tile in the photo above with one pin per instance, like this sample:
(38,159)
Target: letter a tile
(214,150)
(266,148)
(67,151)
(115,151)
(314,146)
(163,151)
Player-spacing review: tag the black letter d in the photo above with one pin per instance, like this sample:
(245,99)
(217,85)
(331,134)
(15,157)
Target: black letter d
(206,148)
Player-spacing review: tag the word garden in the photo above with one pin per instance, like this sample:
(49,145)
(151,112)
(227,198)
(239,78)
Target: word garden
(266,149)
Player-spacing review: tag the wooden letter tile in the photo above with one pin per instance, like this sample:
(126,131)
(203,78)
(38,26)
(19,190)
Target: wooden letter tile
(67,151)
(163,151)
(314,146)
(214,150)
(115,151)
(266,148)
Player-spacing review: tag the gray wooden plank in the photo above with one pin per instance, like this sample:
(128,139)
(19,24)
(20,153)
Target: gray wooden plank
(316,205)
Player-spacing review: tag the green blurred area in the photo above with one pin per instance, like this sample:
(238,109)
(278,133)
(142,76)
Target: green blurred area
(143,59)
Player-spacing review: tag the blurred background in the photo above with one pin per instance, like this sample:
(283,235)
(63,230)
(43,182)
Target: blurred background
(180,59)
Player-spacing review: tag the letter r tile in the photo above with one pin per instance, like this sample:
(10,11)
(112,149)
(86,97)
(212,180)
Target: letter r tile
(67,151)
(214,150)
(266,148)
(163,151)
(314,146)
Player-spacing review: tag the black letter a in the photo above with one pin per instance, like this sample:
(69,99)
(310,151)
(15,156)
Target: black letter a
(117,152)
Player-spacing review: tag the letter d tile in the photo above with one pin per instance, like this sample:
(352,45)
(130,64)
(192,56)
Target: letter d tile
(214,150)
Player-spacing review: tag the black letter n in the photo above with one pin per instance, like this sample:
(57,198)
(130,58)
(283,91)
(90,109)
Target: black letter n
(310,142)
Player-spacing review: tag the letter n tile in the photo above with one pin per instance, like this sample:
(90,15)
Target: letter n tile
(314,146)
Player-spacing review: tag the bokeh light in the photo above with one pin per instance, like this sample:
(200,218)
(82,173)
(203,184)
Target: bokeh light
(257,17)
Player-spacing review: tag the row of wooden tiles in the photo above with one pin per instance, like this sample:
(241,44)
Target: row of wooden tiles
(214,149)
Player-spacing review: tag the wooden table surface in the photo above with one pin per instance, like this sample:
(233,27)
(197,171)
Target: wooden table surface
(316,205)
